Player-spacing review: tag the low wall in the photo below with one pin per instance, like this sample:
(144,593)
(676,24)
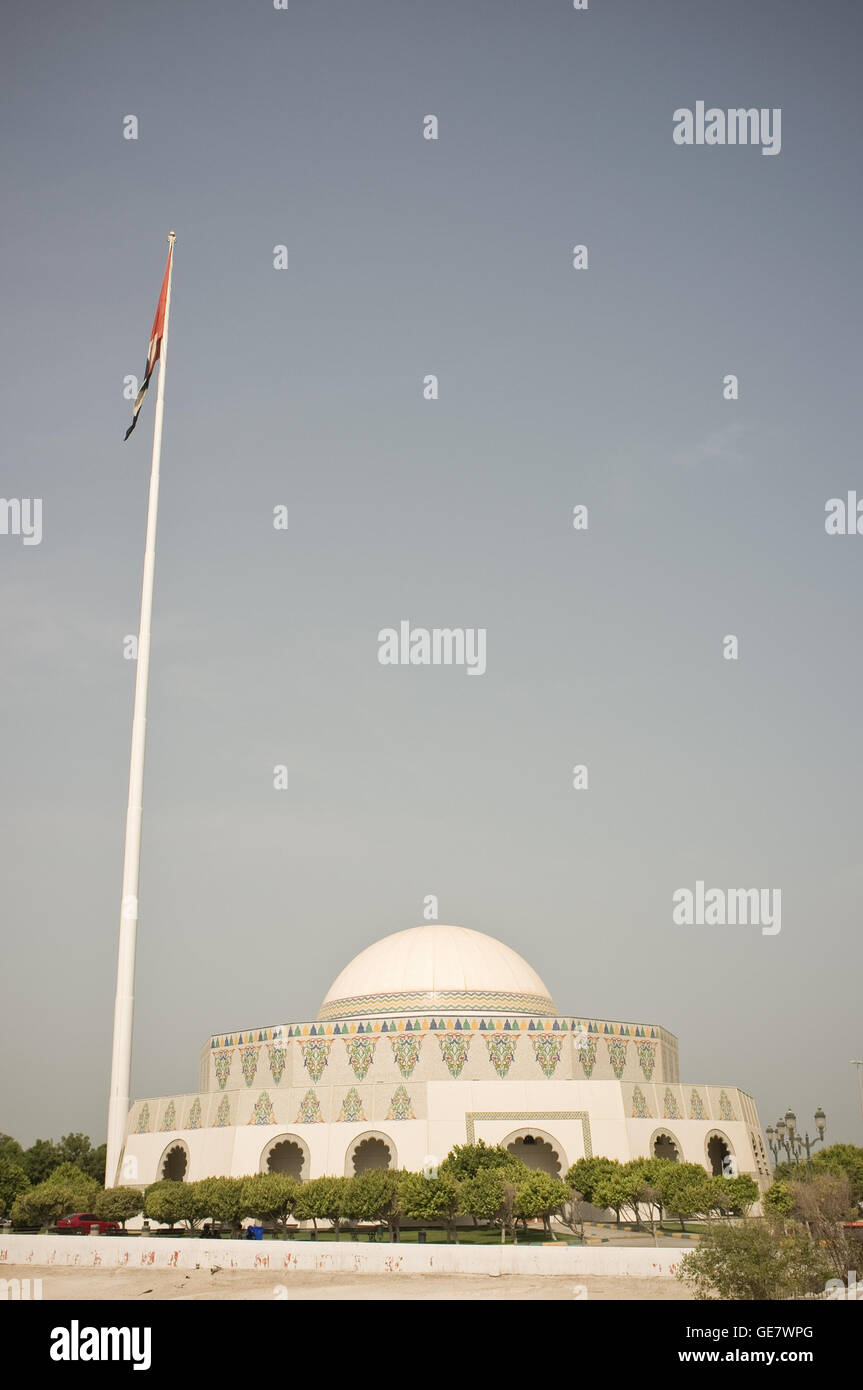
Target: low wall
(284,1257)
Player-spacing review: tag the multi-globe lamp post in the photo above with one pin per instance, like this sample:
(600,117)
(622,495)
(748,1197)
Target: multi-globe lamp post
(787,1136)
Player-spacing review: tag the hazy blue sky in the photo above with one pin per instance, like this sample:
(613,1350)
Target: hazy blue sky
(557,387)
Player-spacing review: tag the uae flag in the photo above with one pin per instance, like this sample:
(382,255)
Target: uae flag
(155,347)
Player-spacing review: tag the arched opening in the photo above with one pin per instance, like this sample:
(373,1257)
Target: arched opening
(666,1146)
(175,1163)
(286,1155)
(718,1149)
(372,1151)
(538,1150)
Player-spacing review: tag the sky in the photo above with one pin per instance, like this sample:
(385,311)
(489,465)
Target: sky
(303,387)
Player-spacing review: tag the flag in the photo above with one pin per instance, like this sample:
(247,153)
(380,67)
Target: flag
(155,347)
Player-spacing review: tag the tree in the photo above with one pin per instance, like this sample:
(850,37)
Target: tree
(465,1160)
(584,1175)
(11,1149)
(67,1190)
(617,1188)
(118,1204)
(538,1196)
(169,1202)
(323,1199)
(778,1200)
(841,1159)
(749,1261)
(270,1196)
(823,1202)
(222,1199)
(736,1195)
(490,1196)
(432,1200)
(13,1181)
(77,1149)
(687,1190)
(375,1196)
(40,1160)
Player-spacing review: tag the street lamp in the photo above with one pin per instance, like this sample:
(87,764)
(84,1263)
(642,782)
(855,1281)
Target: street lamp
(785,1136)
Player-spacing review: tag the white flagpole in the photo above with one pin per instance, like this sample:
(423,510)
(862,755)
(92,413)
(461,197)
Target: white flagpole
(124,1000)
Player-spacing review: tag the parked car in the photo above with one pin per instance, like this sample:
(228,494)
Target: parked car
(81,1223)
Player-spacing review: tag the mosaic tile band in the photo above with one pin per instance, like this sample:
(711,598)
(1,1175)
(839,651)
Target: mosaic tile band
(419,1001)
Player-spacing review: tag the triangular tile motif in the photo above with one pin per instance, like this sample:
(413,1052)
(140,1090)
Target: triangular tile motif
(726,1110)
(647,1058)
(454,1050)
(316,1052)
(169,1120)
(670,1108)
(501,1050)
(143,1125)
(222,1064)
(547,1049)
(361,1054)
(277,1054)
(352,1107)
(640,1108)
(586,1048)
(400,1105)
(406,1052)
(309,1112)
(223,1114)
(249,1062)
(263,1111)
(617,1055)
(696,1106)
(194,1120)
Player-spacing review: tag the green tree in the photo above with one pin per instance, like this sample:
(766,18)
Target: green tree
(77,1149)
(750,1261)
(375,1196)
(40,1160)
(687,1190)
(841,1159)
(433,1200)
(118,1204)
(778,1200)
(324,1199)
(584,1175)
(67,1190)
(736,1195)
(617,1188)
(465,1160)
(13,1181)
(169,1202)
(11,1149)
(489,1196)
(538,1196)
(270,1196)
(222,1199)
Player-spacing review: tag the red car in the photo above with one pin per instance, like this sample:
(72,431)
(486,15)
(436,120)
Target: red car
(81,1223)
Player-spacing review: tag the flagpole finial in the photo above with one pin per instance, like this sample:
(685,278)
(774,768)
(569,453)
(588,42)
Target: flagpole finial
(172,236)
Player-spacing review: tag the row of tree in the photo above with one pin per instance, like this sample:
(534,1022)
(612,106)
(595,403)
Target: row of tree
(45,1155)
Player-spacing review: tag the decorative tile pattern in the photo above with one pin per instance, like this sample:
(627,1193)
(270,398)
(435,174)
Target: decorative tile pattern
(617,1055)
(406,1051)
(587,1056)
(546,1049)
(223,1115)
(263,1112)
(647,1058)
(222,1062)
(472,1116)
(454,1049)
(194,1120)
(169,1121)
(352,1106)
(249,1063)
(143,1125)
(670,1108)
(309,1112)
(419,1001)
(696,1106)
(316,1052)
(361,1053)
(640,1108)
(501,1051)
(400,1106)
(726,1109)
(277,1052)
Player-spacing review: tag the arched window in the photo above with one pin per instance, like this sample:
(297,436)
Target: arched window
(370,1150)
(287,1154)
(538,1150)
(664,1145)
(718,1148)
(174,1163)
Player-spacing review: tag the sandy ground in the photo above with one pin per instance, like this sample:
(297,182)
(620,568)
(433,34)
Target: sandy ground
(143,1286)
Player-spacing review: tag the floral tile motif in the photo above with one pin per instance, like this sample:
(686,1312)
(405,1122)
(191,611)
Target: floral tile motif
(640,1108)
(400,1105)
(316,1054)
(309,1112)
(726,1109)
(249,1063)
(454,1049)
(263,1112)
(277,1052)
(143,1125)
(501,1050)
(194,1120)
(361,1053)
(222,1063)
(647,1058)
(586,1049)
(170,1120)
(406,1051)
(696,1106)
(670,1108)
(352,1106)
(617,1055)
(223,1114)
(546,1049)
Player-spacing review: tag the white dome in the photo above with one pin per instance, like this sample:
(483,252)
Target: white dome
(438,969)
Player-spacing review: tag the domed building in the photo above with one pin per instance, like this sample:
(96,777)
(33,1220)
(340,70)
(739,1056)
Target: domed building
(432,1037)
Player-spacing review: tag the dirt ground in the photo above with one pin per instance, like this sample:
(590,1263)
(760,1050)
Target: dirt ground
(144,1286)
